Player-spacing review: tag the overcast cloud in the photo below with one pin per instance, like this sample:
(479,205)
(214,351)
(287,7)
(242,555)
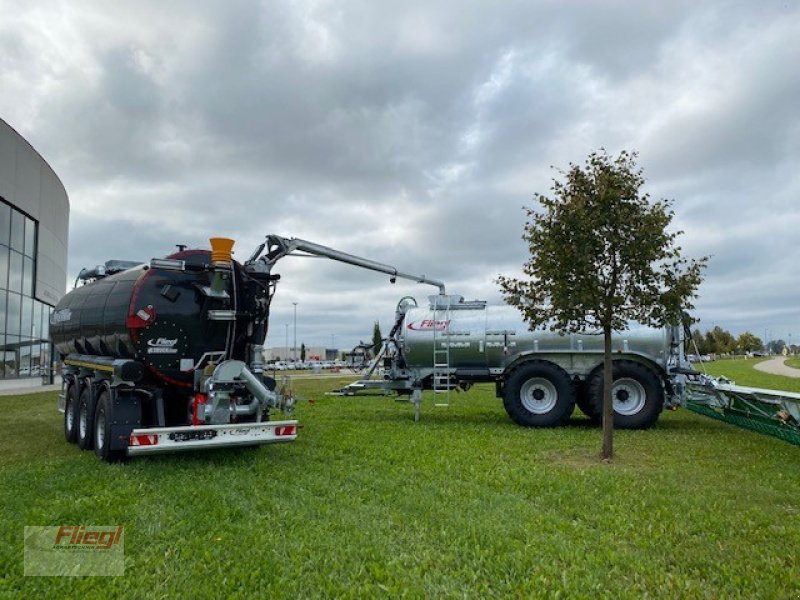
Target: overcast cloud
(412,133)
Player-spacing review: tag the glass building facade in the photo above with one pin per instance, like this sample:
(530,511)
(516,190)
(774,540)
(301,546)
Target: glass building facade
(34,242)
(24,320)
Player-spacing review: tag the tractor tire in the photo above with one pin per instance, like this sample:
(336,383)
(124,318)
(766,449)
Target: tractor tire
(637,394)
(103,417)
(86,418)
(71,413)
(584,402)
(539,394)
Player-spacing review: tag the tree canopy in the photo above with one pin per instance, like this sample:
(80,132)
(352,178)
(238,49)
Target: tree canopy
(601,253)
(721,341)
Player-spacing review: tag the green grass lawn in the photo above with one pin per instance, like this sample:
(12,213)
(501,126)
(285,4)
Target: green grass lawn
(462,504)
(741,371)
(793,362)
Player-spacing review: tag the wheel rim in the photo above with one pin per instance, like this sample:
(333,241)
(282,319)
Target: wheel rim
(82,422)
(629,396)
(100,429)
(70,416)
(538,395)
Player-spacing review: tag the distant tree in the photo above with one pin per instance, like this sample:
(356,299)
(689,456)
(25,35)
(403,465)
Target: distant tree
(724,341)
(377,337)
(748,342)
(698,345)
(776,346)
(303,352)
(601,255)
(710,343)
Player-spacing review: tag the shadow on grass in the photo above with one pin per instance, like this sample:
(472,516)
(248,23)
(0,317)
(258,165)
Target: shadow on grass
(158,466)
(488,416)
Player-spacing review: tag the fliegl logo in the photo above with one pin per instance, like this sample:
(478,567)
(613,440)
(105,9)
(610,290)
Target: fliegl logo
(162,346)
(74,538)
(428,325)
(74,550)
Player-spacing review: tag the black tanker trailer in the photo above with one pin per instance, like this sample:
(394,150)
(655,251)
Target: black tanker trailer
(168,355)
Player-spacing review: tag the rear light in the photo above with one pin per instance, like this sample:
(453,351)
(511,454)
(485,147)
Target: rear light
(285,430)
(143,440)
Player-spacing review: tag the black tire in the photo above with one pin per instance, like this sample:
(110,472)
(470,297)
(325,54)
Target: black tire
(539,394)
(638,394)
(584,402)
(85,419)
(102,429)
(71,413)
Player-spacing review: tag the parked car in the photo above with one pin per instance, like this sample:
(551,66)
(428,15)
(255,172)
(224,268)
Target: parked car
(694,358)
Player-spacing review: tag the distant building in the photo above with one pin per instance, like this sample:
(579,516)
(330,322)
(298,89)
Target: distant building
(34,228)
(312,353)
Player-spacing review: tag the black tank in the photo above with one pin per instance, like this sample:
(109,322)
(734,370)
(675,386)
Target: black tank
(155,316)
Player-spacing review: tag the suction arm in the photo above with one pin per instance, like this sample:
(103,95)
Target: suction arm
(277,247)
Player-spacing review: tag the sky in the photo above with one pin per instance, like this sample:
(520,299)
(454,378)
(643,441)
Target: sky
(412,133)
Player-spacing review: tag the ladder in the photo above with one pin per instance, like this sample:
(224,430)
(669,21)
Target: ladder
(441,353)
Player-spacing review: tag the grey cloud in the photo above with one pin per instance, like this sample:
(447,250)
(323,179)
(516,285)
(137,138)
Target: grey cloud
(411,133)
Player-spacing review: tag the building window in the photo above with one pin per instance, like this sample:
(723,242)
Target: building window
(15,272)
(17,230)
(5,223)
(24,321)
(30,236)
(3,266)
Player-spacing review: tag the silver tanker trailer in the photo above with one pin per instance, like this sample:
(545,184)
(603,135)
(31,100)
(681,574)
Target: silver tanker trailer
(540,375)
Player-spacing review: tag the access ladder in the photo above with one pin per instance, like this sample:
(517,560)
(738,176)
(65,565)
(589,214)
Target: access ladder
(442,383)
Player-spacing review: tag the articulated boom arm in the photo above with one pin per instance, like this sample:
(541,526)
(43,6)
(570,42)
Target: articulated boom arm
(277,247)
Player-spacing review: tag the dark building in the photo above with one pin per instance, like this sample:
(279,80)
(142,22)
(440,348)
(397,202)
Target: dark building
(34,227)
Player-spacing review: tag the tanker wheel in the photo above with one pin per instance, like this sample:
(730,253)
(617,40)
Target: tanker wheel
(71,413)
(85,419)
(585,403)
(539,394)
(636,392)
(102,430)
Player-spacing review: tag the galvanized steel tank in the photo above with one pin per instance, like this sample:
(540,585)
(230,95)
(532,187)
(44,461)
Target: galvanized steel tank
(493,337)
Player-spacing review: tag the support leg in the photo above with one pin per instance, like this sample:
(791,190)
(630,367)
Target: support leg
(416,399)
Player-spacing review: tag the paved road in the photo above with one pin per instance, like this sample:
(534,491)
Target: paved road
(776,367)
(28,389)
(32,386)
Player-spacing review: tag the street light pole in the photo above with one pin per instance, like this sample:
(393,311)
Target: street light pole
(287,341)
(294,343)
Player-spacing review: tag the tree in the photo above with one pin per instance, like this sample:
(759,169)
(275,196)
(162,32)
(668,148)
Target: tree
(776,346)
(601,255)
(711,343)
(724,342)
(377,337)
(303,352)
(698,344)
(748,342)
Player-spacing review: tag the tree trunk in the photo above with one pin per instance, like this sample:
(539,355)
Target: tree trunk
(608,405)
